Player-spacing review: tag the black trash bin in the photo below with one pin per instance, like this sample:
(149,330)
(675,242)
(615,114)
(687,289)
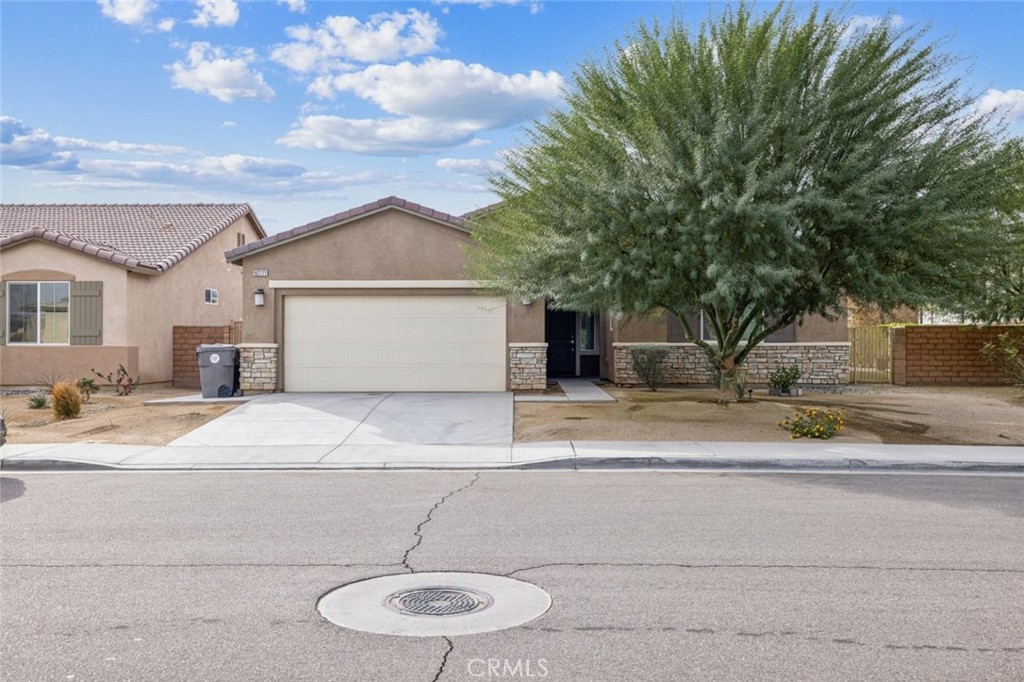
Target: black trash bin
(218,369)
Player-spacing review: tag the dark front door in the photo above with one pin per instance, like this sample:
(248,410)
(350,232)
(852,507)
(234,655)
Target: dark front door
(560,334)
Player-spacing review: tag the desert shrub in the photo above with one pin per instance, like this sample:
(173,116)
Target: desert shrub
(813,423)
(784,377)
(649,364)
(1006,353)
(39,401)
(52,377)
(67,401)
(87,387)
(122,382)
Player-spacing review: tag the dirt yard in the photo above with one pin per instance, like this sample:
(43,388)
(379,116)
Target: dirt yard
(109,419)
(872,414)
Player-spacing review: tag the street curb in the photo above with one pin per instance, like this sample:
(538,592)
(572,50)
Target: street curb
(52,465)
(834,465)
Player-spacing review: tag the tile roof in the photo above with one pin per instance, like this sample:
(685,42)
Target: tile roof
(345,216)
(482,211)
(145,237)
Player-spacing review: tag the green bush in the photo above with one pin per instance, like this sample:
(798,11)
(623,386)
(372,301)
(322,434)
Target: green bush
(1006,353)
(648,363)
(67,401)
(38,402)
(813,423)
(87,387)
(784,377)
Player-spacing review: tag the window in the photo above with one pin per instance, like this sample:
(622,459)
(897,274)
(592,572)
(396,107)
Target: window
(588,333)
(38,312)
(211,296)
(785,335)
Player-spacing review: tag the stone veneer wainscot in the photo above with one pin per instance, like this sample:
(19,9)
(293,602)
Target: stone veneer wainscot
(686,363)
(528,366)
(257,363)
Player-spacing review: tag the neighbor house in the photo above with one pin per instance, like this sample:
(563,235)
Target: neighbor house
(97,286)
(376,298)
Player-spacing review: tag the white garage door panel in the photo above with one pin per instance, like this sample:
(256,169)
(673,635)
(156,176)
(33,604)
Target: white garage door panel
(394,343)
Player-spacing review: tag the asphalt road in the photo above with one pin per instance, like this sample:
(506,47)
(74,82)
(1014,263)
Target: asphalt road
(653,576)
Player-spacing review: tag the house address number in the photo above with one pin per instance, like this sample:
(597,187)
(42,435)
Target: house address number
(261,273)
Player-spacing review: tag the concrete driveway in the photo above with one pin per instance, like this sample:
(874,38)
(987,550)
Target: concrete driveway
(361,419)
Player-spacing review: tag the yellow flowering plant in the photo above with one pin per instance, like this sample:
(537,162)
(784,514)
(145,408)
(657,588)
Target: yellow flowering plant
(813,423)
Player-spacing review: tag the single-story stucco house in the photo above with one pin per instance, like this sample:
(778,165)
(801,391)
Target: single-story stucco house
(89,286)
(376,299)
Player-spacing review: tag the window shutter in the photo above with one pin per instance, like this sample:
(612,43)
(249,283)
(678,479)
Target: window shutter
(86,313)
(3,313)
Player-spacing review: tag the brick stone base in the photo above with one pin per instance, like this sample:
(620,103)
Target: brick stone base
(686,363)
(257,363)
(528,366)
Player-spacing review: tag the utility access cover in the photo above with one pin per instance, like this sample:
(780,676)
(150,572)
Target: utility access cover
(434,604)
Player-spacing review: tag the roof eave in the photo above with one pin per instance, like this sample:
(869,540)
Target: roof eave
(238,253)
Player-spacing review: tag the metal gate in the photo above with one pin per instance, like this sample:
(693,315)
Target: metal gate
(870,355)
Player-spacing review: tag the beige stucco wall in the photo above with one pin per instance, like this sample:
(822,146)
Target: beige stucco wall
(35,364)
(139,310)
(390,245)
(817,329)
(18,262)
(157,304)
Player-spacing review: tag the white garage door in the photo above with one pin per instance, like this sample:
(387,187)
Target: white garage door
(394,343)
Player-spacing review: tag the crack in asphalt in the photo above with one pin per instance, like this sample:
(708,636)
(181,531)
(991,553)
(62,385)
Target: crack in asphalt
(430,515)
(604,564)
(444,661)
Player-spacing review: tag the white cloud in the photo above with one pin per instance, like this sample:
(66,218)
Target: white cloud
(1009,103)
(340,40)
(26,147)
(479,167)
(449,89)
(78,144)
(37,150)
(229,124)
(437,104)
(487,4)
(867,22)
(165,25)
(385,137)
(130,12)
(210,71)
(215,13)
(298,6)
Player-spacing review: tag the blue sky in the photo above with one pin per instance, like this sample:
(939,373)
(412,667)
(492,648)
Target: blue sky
(306,108)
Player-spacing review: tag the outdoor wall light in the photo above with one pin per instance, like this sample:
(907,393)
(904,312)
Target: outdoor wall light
(258,298)
(526,301)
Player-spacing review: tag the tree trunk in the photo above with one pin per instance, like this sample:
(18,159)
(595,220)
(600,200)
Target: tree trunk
(726,377)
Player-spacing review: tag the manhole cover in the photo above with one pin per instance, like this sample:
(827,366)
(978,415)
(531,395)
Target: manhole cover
(434,604)
(437,601)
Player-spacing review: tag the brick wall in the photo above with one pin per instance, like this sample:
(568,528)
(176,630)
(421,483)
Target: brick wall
(686,363)
(945,354)
(186,368)
(528,366)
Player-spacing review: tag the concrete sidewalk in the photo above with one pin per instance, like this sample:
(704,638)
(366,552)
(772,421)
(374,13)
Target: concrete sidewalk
(796,455)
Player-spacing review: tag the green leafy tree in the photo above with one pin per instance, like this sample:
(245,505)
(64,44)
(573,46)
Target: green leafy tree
(997,294)
(759,170)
